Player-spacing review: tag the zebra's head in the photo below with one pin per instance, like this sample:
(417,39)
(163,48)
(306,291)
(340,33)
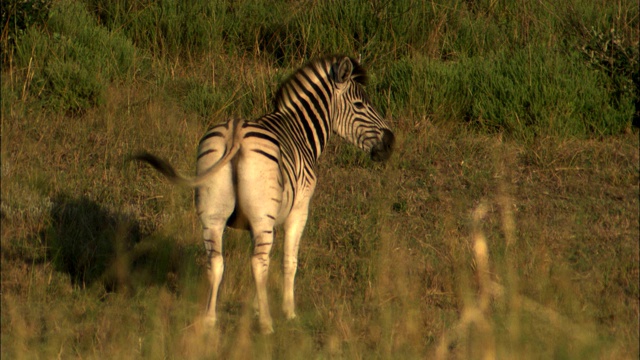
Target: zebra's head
(354,117)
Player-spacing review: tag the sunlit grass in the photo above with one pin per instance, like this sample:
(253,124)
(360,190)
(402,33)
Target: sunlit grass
(504,226)
(389,264)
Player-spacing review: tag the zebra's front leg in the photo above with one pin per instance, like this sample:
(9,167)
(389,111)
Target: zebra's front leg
(215,269)
(263,241)
(293,227)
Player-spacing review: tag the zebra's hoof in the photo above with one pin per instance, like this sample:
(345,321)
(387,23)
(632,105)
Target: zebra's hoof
(290,316)
(209,322)
(266,329)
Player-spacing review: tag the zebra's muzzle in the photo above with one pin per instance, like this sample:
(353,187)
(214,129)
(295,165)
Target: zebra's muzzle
(383,149)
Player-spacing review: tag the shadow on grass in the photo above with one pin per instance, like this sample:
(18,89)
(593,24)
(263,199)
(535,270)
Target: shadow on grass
(89,242)
(96,246)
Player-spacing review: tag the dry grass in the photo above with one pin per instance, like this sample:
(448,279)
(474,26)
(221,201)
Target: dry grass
(463,246)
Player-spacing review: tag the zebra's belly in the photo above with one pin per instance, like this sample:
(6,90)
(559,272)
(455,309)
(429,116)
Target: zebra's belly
(238,219)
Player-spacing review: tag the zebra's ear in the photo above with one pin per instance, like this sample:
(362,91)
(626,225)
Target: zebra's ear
(343,71)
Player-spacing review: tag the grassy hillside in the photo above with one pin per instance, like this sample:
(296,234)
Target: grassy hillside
(504,226)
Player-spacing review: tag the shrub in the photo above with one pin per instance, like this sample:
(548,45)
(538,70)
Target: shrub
(521,93)
(165,28)
(71,59)
(16,17)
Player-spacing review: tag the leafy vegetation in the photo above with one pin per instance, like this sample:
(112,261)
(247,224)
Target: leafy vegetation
(564,69)
(505,226)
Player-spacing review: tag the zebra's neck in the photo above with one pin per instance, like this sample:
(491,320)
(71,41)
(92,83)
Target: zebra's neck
(296,133)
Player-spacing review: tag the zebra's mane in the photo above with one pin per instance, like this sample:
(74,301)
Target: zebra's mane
(358,74)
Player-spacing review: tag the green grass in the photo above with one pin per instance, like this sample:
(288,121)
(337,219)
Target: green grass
(513,125)
(562,69)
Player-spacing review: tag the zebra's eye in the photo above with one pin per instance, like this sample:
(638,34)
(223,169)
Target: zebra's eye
(359,105)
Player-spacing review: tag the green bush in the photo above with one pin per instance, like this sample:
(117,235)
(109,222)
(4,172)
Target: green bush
(522,93)
(72,60)
(520,68)
(70,86)
(167,28)
(16,17)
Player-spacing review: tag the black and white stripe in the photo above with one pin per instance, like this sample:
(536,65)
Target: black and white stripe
(257,174)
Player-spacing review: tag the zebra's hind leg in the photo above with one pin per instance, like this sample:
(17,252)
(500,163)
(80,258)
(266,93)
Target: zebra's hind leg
(215,201)
(215,267)
(263,241)
(293,228)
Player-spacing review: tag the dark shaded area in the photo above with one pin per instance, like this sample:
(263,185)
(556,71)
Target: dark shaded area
(96,246)
(88,242)
(616,57)
(16,17)
(636,83)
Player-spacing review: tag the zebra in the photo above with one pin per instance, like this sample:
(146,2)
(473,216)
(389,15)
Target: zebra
(256,175)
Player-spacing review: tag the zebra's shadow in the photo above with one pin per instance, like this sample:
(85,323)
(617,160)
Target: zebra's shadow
(90,243)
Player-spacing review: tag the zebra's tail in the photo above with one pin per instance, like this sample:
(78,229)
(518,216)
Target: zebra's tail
(170,173)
